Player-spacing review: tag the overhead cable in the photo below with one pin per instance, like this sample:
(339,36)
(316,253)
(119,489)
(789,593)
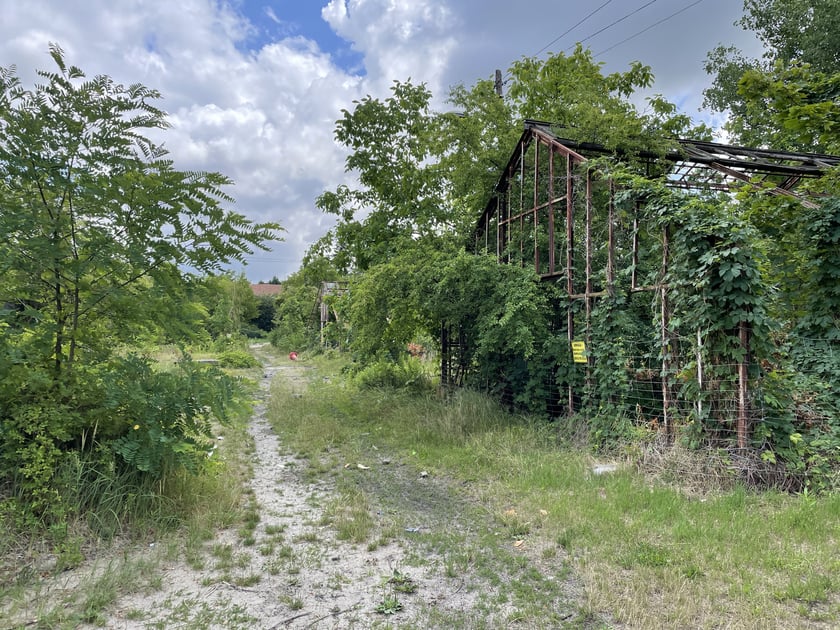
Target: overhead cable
(570,29)
(645,30)
(611,24)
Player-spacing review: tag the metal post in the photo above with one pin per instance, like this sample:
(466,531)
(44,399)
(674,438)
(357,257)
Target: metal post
(634,278)
(536,203)
(699,376)
(611,242)
(588,271)
(521,205)
(551,261)
(666,345)
(570,286)
(743,333)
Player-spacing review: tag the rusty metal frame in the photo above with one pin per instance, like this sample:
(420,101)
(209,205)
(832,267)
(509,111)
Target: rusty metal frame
(694,165)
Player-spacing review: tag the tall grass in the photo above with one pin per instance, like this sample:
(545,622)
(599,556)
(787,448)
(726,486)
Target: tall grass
(650,554)
(109,509)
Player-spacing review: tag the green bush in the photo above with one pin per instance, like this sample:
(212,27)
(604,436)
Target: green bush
(405,374)
(152,422)
(167,416)
(237,359)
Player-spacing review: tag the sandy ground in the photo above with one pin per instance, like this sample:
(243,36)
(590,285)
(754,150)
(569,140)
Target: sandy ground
(296,574)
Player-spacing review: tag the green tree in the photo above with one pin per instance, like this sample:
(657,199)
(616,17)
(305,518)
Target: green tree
(799,105)
(473,143)
(230,303)
(295,325)
(99,226)
(266,309)
(101,235)
(400,194)
(804,33)
(384,306)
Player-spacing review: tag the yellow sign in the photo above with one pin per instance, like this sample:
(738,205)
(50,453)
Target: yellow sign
(579,351)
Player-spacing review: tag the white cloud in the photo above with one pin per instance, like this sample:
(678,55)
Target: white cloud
(400,39)
(264,114)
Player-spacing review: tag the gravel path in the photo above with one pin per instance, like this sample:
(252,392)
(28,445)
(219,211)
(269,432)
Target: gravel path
(291,571)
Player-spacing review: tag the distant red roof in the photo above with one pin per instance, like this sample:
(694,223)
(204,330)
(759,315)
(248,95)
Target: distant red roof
(266,289)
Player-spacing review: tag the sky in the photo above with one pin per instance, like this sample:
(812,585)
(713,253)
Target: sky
(253,88)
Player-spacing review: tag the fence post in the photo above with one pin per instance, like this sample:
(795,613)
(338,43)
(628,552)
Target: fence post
(743,334)
(699,376)
(666,339)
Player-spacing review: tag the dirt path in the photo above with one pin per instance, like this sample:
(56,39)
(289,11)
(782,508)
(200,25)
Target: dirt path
(293,574)
(435,558)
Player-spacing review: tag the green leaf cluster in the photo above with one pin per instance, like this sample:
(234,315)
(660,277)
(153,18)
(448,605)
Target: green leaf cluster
(103,239)
(296,319)
(786,99)
(167,416)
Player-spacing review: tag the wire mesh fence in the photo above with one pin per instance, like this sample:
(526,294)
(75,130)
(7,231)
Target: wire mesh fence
(695,413)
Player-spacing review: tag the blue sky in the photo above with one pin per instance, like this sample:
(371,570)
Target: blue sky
(276,19)
(253,87)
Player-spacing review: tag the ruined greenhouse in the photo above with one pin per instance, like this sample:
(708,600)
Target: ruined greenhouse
(661,296)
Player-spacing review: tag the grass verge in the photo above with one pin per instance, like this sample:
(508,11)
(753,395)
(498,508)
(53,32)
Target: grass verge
(648,554)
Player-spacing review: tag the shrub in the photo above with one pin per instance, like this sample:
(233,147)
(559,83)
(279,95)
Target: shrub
(404,374)
(237,359)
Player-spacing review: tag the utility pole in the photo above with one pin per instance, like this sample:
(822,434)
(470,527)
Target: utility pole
(498,83)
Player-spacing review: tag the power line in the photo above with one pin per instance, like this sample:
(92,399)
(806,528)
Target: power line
(645,30)
(618,21)
(570,29)
(556,39)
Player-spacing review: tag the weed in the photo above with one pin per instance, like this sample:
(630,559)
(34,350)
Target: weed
(350,514)
(294,603)
(223,553)
(274,530)
(247,580)
(810,589)
(309,537)
(646,555)
(516,525)
(337,581)
(389,605)
(402,583)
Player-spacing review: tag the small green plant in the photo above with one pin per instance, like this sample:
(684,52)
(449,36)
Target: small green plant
(402,583)
(247,580)
(67,548)
(294,603)
(310,537)
(389,605)
(404,374)
(350,514)
(274,530)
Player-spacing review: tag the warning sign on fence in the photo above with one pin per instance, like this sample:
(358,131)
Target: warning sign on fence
(579,351)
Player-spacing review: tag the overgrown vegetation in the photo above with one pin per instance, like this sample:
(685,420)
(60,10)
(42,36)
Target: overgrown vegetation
(98,230)
(109,253)
(685,523)
(751,277)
